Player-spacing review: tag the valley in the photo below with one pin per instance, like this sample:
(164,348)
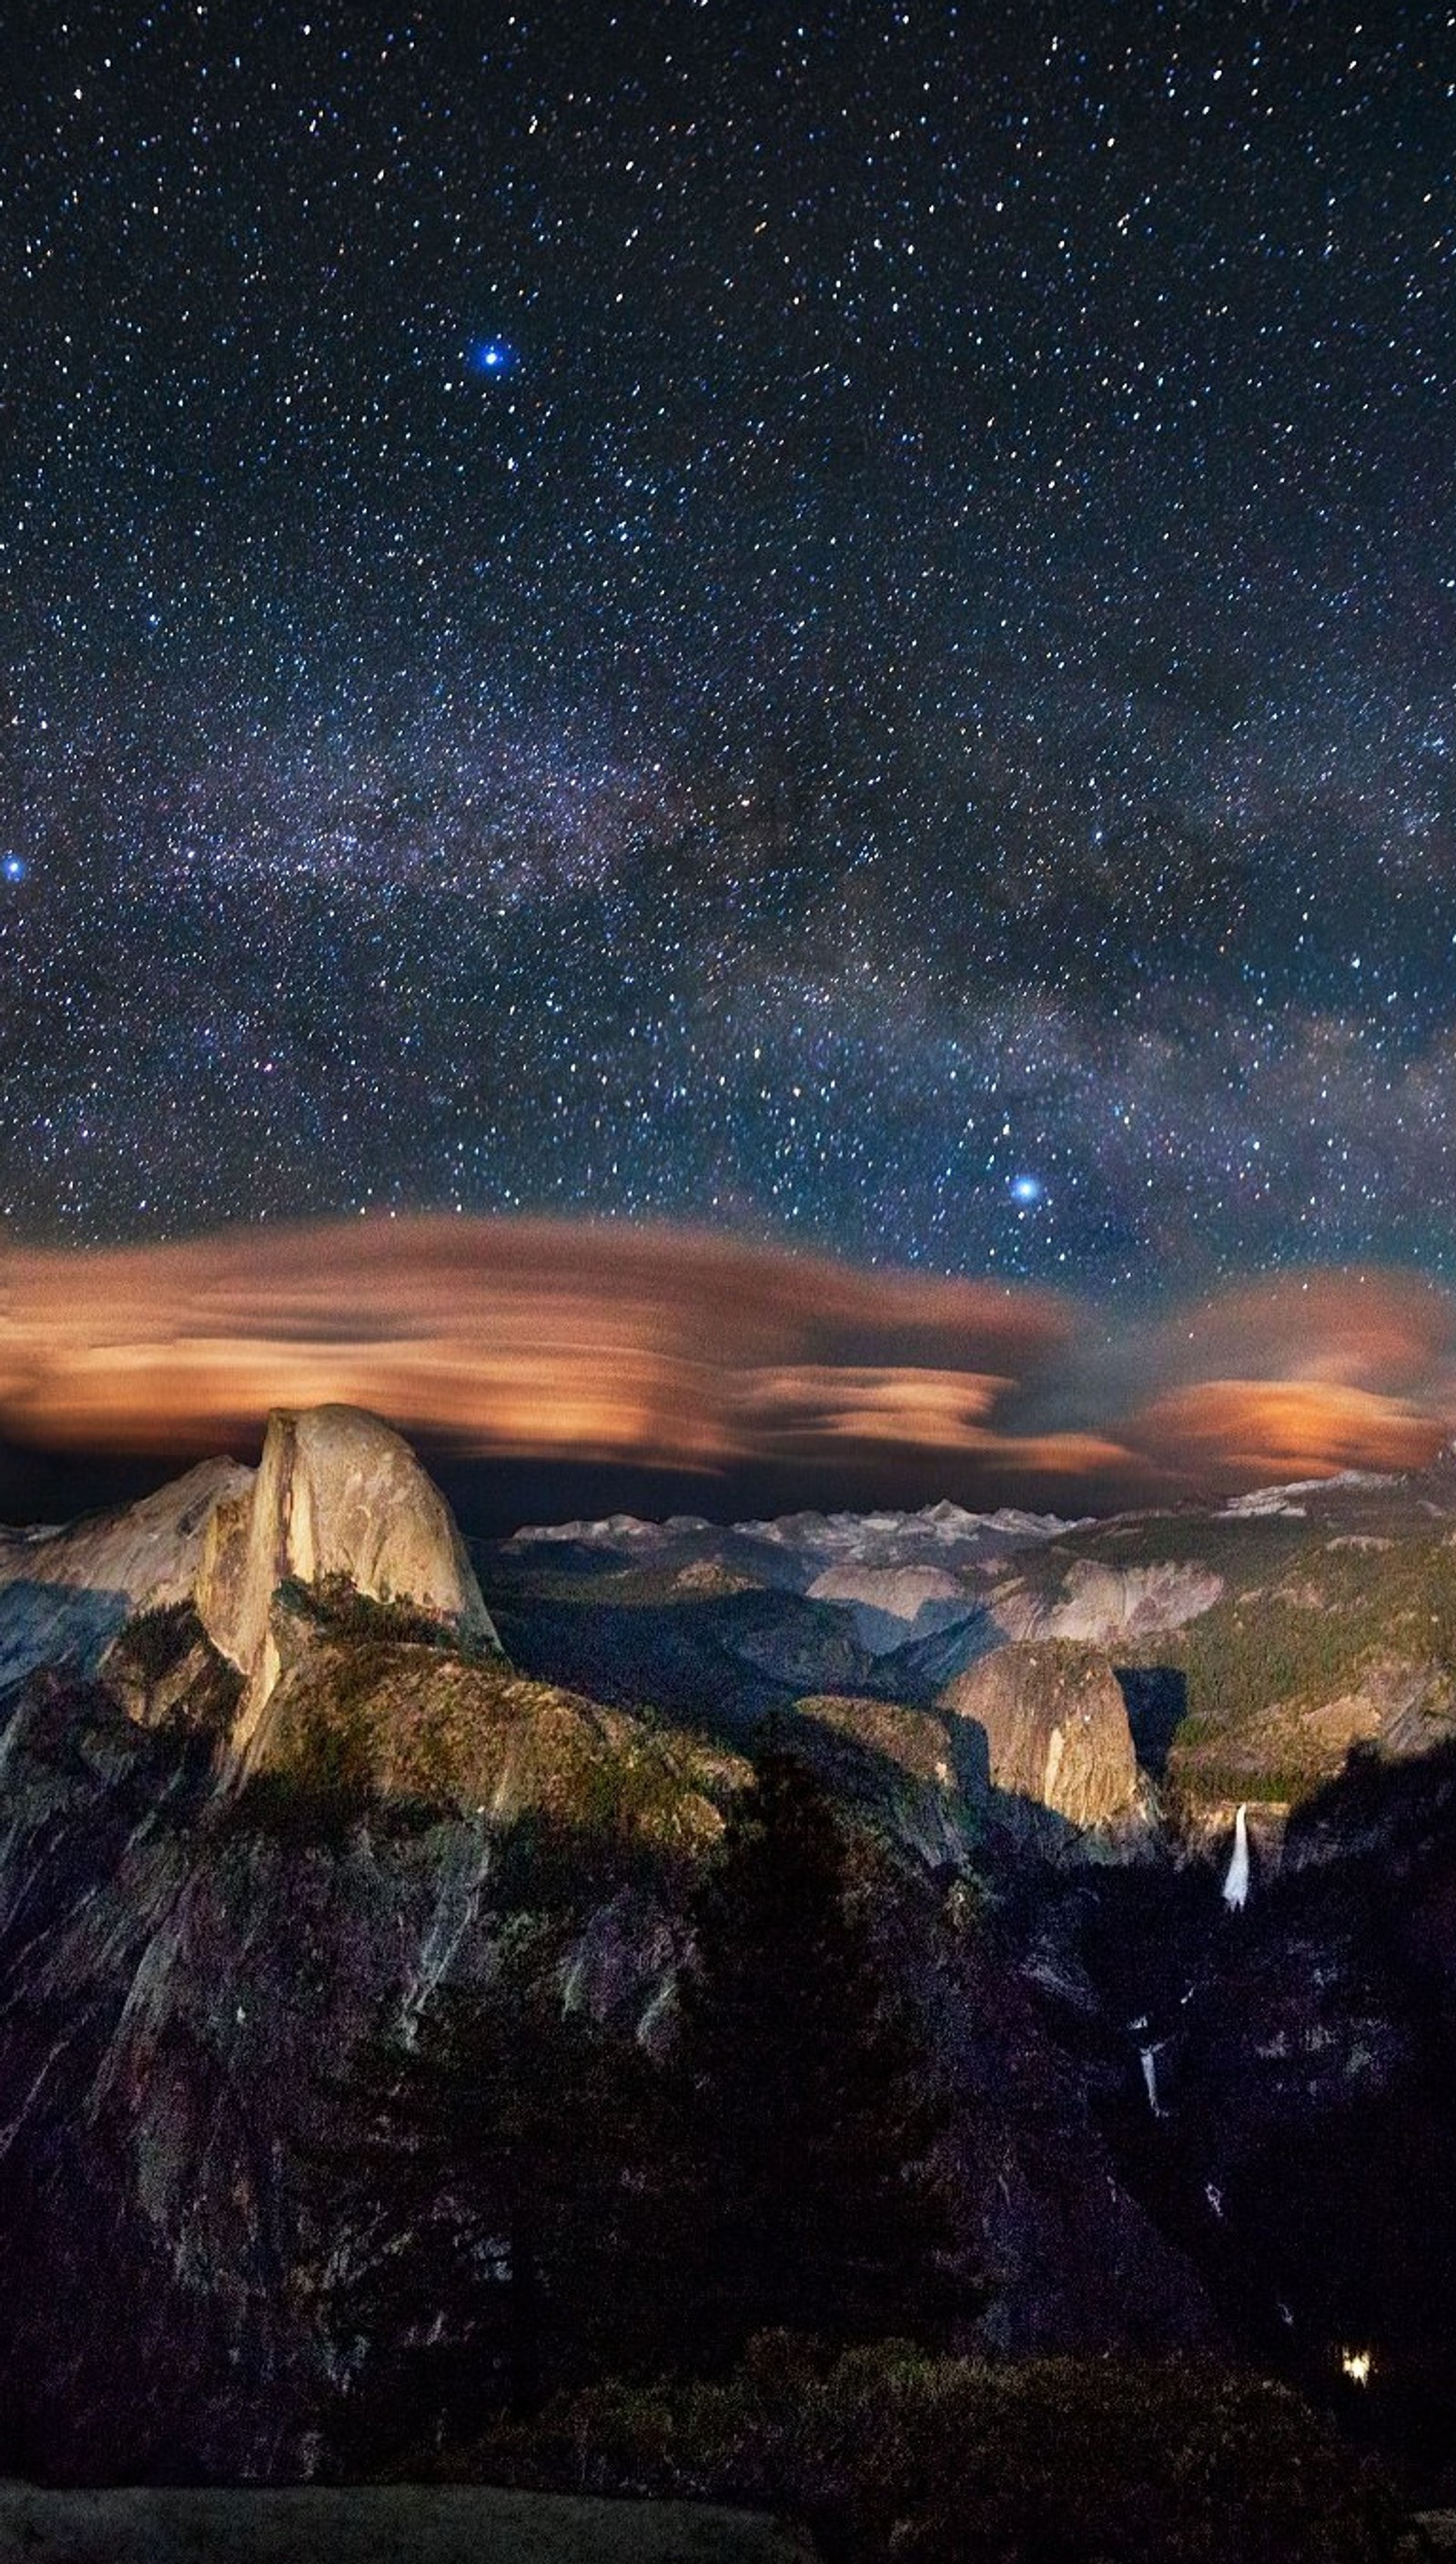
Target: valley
(284,1758)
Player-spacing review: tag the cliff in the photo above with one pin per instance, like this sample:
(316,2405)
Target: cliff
(65,1593)
(1056,1729)
(337,1497)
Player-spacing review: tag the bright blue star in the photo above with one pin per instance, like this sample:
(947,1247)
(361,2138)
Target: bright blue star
(493,357)
(13,867)
(1027,1189)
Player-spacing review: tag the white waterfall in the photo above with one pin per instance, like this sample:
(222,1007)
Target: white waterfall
(1236,1885)
(1148,2059)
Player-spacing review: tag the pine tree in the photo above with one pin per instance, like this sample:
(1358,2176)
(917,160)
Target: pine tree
(809,2121)
(483,2192)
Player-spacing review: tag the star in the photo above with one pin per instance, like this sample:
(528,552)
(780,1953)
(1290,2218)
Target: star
(493,357)
(695,760)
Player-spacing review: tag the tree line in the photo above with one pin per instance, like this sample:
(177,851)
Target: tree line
(524,2203)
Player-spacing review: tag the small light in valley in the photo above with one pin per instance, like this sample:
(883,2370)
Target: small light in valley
(1356,2365)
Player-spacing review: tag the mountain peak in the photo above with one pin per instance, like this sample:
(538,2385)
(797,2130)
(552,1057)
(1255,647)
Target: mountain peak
(337,1493)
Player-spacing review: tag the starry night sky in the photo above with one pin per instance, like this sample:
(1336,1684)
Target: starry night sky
(832,621)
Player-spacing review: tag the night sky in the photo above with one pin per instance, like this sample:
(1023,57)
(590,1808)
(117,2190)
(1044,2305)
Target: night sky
(835,622)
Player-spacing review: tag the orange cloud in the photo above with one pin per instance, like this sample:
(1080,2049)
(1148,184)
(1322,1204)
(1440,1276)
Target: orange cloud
(1380,1331)
(1299,1376)
(804,1405)
(510,1339)
(807,1411)
(679,1349)
(1241,1433)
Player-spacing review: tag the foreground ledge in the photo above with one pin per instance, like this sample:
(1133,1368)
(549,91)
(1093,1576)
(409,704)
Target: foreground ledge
(379,2524)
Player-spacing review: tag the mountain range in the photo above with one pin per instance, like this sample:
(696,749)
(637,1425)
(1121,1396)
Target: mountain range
(282,1752)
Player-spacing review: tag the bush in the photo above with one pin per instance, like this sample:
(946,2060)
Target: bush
(156,1645)
(887,2452)
(348,1614)
(152,1642)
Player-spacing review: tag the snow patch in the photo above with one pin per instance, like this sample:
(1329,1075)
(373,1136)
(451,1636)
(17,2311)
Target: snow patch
(1277,1500)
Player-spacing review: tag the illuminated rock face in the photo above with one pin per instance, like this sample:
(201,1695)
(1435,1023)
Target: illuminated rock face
(1105,1605)
(65,1593)
(337,1493)
(1056,1729)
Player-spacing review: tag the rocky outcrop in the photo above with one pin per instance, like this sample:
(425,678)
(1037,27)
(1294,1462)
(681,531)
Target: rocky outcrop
(63,1594)
(337,1495)
(890,1606)
(1102,1605)
(908,1740)
(415,1725)
(1056,1730)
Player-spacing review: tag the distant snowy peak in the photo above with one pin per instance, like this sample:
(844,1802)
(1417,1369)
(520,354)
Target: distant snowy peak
(883,1538)
(944,1526)
(616,1531)
(1282,1500)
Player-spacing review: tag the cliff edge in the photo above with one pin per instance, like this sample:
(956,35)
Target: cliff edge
(338,1494)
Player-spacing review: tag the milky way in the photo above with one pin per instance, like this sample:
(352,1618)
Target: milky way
(833,622)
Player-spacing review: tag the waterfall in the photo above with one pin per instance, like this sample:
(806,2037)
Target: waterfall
(1148,2059)
(1236,1885)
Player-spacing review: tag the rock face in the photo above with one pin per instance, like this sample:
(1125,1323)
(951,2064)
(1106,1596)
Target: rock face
(63,1594)
(1056,1729)
(1103,1605)
(338,1494)
(185,1966)
(890,1606)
